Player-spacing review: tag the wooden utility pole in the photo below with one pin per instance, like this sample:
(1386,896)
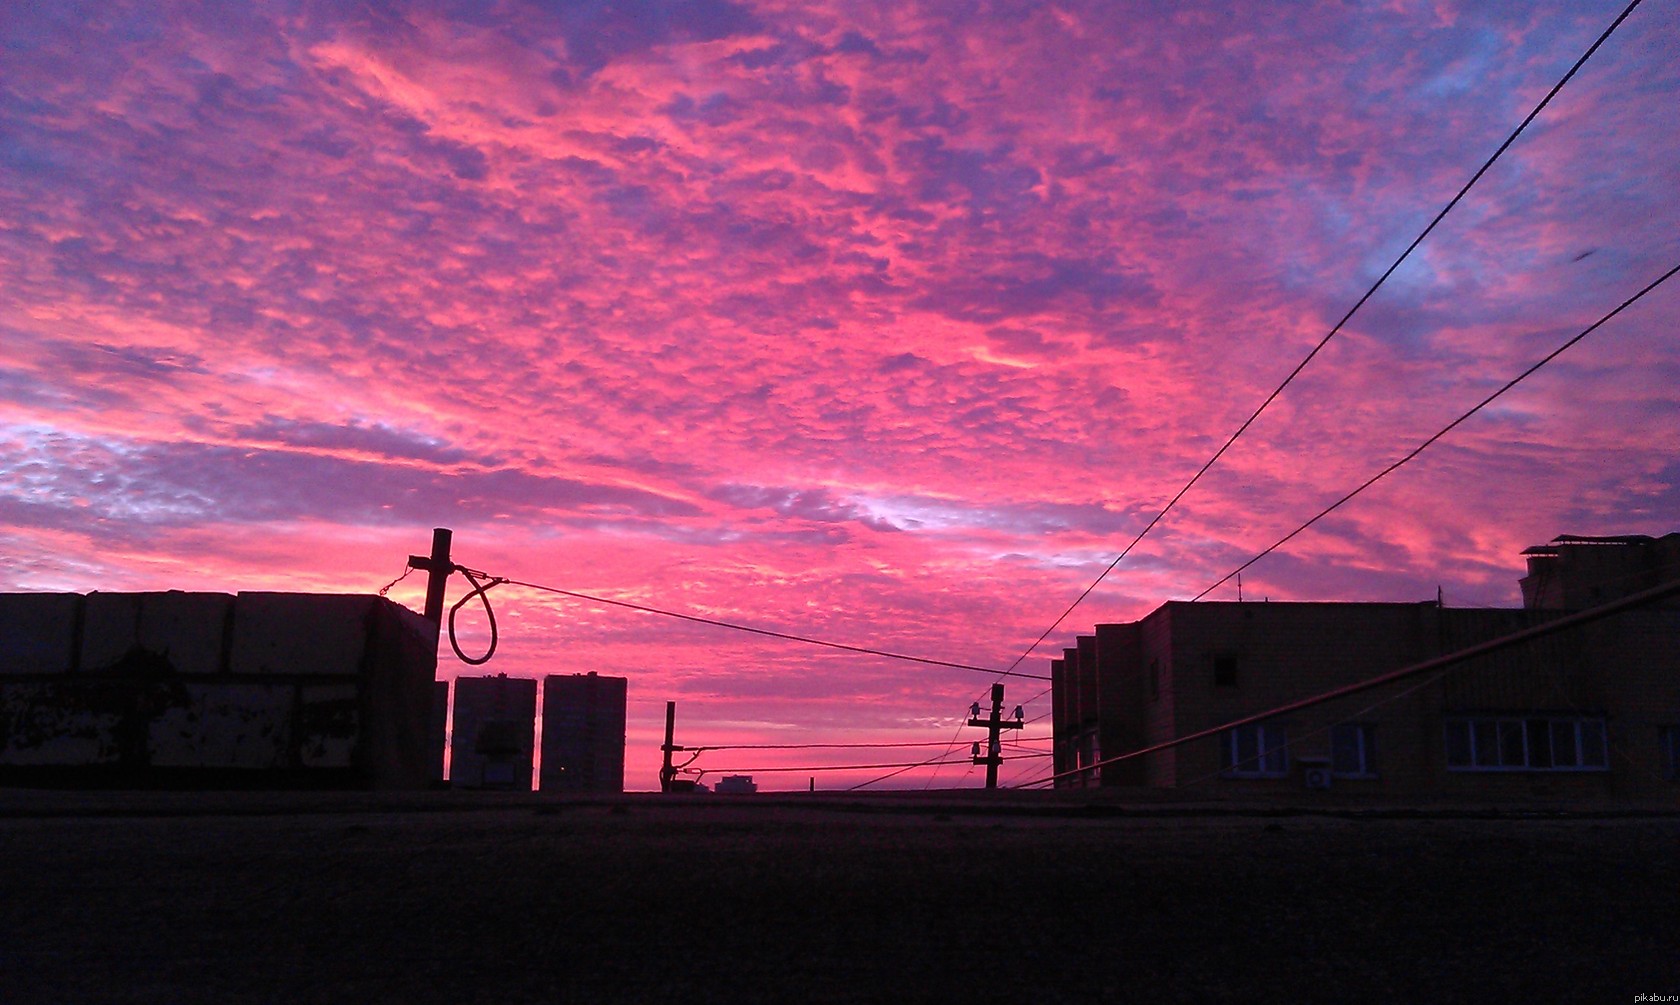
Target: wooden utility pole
(993,756)
(437,567)
(668,774)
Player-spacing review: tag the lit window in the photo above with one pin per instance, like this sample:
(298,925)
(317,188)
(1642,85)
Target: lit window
(1351,752)
(1254,751)
(1537,744)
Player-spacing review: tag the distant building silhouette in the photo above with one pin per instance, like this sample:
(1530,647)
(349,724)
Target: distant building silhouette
(1593,712)
(172,689)
(1574,573)
(494,732)
(736,785)
(583,733)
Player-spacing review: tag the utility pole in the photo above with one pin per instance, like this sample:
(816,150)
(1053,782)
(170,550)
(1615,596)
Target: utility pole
(437,567)
(668,774)
(993,725)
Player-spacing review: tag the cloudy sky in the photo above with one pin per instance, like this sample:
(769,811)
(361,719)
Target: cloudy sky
(885,323)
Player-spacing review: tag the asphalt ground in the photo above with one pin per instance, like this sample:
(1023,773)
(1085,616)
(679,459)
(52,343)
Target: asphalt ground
(468,897)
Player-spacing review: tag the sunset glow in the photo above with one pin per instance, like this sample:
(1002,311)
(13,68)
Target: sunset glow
(884,324)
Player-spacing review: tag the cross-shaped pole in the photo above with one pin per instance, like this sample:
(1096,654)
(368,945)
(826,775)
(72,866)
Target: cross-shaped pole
(993,756)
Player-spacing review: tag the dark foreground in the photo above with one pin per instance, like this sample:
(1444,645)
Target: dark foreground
(446,898)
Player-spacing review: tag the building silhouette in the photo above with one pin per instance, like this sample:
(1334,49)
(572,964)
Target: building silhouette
(492,738)
(1591,712)
(583,733)
(185,690)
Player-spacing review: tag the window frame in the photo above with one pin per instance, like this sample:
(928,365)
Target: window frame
(1268,739)
(1512,742)
(1365,733)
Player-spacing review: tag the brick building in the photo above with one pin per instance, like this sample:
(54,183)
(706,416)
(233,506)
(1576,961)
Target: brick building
(1591,712)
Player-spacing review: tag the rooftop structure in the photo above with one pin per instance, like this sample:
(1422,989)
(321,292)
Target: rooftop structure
(175,689)
(583,733)
(494,732)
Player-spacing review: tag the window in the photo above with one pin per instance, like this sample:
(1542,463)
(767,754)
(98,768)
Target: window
(1090,751)
(1351,752)
(1669,741)
(1254,752)
(1154,680)
(1224,671)
(1538,744)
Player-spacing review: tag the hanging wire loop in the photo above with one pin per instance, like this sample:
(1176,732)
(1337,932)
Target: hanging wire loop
(481,589)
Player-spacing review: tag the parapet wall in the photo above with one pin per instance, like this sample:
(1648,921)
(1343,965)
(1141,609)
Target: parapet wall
(268,690)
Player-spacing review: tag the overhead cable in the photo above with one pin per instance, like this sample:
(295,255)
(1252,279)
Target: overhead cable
(826,767)
(935,761)
(481,590)
(1449,427)
(1334,330)
(813,746)
(807,640)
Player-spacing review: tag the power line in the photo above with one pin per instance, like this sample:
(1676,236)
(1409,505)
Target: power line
(481,591)
(1449,427)
(934,761)
(1032,776)
(813,746)
(956,736)
(824,767)
(1333,331)
(807,640)
(1513,382)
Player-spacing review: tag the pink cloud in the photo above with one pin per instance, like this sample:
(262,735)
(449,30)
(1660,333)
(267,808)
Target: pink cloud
(890,326)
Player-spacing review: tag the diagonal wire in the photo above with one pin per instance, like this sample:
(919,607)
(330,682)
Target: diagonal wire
(937,759)
(1449,427)
(1333,331)
(807,640)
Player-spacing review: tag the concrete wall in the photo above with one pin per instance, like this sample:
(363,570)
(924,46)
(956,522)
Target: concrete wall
(1120,687)
(583,733)
(493,739)
(197,689)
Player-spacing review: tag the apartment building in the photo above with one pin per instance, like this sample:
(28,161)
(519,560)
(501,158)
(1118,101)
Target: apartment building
(1591,712)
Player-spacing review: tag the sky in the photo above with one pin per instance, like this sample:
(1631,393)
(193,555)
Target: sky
(888,324)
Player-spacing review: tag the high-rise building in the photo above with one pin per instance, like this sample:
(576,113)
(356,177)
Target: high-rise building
(583,733)
(494,733)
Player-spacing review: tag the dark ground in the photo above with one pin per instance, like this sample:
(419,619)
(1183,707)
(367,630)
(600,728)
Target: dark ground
(463,897)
